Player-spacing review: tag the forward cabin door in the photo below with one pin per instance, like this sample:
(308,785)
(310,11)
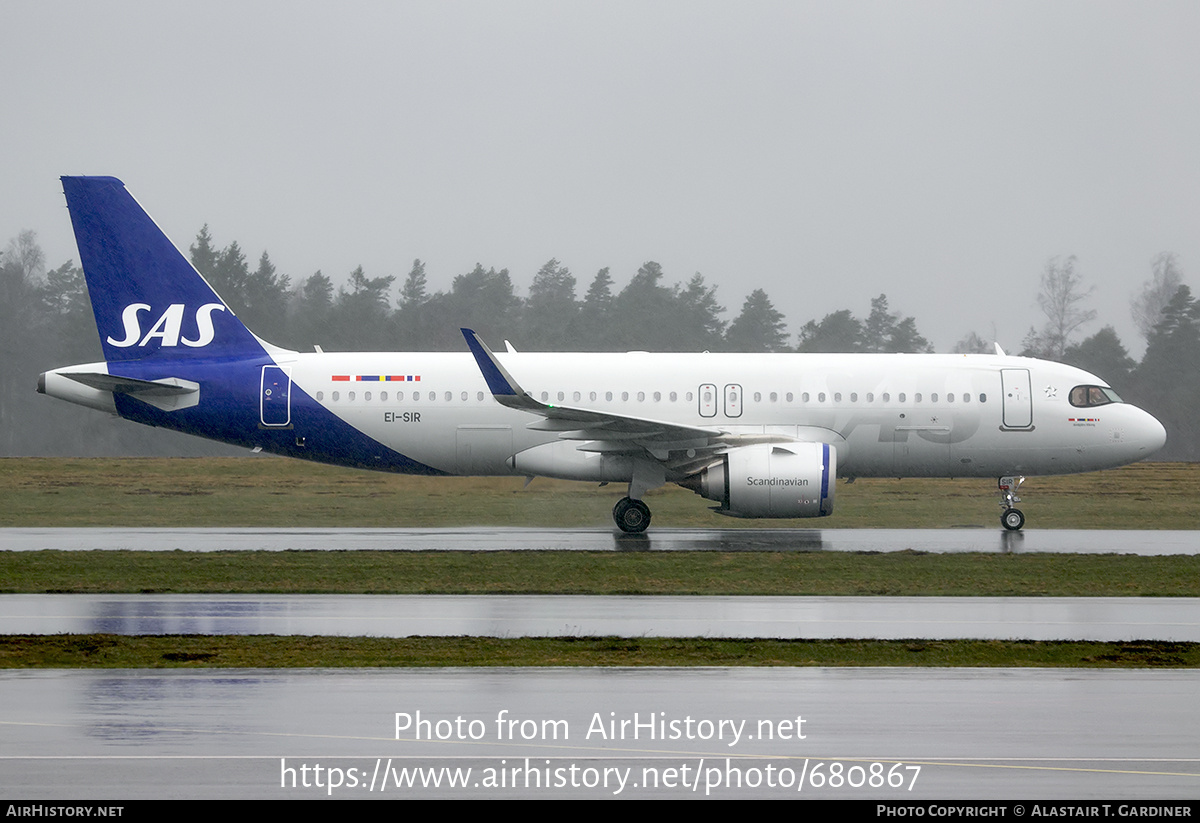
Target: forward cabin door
(1017,398)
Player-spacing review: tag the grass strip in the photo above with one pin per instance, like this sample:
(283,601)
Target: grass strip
(105,651)
(267,491)
(559,572)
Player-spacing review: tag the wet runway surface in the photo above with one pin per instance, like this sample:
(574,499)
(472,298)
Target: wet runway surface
(1145,542)
(906,734)
(865,734)
(1001,618)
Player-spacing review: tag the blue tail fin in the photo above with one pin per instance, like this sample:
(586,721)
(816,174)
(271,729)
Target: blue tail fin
(149,301)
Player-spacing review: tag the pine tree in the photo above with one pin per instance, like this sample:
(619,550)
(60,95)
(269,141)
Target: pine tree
(838,331)
(551,310)
(1168,380)
(759,328)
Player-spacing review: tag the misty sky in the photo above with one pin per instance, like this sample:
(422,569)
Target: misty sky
(826,152)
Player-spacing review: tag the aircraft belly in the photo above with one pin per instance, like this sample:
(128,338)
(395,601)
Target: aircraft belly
(455,441)
(483,449)
(868,453)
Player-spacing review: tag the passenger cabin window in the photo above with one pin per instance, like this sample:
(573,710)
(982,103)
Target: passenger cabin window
(1085,397)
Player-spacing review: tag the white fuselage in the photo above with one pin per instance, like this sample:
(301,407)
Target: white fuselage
(891,415)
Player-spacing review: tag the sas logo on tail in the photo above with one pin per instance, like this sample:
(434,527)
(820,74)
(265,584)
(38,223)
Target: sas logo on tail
(168,328)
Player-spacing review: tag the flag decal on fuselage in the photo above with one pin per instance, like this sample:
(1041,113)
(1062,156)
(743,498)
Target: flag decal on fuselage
(376,378)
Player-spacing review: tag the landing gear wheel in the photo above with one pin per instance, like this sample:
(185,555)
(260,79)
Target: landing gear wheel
(1012,519)
(632,516)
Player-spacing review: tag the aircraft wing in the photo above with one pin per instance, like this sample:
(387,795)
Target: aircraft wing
(675,445)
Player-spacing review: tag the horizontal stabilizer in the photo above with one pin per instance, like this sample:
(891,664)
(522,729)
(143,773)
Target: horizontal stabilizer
(168,393)
(166,387)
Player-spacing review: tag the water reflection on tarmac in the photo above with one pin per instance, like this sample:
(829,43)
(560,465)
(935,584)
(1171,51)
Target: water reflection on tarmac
(1021,618)
(1144,542)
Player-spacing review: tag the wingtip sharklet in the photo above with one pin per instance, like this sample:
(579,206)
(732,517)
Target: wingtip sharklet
(499,381)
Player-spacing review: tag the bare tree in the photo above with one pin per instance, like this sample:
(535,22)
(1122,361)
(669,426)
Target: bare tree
(1061,299)
(1157,292)
(25,253)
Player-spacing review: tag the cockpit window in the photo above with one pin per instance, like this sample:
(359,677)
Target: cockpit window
(1086,397)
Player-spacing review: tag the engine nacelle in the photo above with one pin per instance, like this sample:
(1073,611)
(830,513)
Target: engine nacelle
(562,458)
(771,480)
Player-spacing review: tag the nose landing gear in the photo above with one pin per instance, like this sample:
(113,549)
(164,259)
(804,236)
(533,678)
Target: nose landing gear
(1012,518)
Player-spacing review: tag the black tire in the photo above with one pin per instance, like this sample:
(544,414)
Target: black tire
(632,516)
(1012,519)
(619,509)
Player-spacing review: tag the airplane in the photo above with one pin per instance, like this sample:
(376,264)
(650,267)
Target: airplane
(761,435)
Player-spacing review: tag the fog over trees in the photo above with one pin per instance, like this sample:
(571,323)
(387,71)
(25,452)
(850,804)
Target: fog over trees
(46,322)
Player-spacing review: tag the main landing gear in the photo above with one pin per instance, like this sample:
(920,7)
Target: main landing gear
(632,516)
(1012,518)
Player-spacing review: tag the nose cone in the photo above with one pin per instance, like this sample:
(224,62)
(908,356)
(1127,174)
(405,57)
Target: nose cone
(1150,436)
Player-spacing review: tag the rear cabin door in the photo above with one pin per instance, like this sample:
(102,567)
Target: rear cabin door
(275,403)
